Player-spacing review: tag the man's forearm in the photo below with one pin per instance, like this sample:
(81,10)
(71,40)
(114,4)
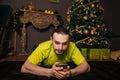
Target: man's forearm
(83,68)
(40,71)
(28,67)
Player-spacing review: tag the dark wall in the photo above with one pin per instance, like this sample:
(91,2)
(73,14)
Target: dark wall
(34,36)
(112,20)
(111,16)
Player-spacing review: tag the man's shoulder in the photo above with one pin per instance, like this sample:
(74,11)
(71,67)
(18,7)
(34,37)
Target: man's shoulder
(72,43)
(45,44)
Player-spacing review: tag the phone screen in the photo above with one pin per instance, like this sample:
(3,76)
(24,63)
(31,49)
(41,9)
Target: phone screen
(63,65)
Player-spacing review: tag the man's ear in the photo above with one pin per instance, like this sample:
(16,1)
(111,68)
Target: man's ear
(51,37)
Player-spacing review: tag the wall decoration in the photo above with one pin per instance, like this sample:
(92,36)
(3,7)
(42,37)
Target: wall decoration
(32,12)
(40,20)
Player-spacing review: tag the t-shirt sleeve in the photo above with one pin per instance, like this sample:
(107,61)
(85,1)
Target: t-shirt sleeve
(36,56)
(77,57)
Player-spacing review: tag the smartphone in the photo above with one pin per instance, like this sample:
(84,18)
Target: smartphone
(63,65)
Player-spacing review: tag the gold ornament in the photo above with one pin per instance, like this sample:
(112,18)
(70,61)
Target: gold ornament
(93,31)
(85,31)
(98,26)
(92,5)
(85,18)
(68,18)
(46,11)
(92,15)
(89,27)
(81,0)
(52,12)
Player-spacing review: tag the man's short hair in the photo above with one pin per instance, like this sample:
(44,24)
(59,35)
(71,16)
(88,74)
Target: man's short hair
(61,29)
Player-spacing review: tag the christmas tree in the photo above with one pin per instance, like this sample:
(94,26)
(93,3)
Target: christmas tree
(86,24)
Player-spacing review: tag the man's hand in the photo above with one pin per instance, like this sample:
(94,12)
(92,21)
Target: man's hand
(60,72)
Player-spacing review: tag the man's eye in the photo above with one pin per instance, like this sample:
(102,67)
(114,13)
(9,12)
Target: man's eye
(64,43)
(57,43)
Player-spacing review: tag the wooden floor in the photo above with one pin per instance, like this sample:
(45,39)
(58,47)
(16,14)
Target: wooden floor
(24,57)
(14,58)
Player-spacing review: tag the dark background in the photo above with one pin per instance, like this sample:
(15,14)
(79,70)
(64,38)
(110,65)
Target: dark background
(111,17)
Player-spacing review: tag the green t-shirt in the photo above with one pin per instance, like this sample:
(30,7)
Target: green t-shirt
(44,55)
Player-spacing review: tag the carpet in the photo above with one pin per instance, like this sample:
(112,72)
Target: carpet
(100,70)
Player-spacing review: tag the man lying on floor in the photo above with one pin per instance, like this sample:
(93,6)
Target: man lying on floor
(50,58)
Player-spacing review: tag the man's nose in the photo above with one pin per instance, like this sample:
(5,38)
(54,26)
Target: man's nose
(61,47)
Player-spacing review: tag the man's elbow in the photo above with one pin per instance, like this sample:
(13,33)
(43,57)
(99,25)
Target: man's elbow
(22,69)
(88,68)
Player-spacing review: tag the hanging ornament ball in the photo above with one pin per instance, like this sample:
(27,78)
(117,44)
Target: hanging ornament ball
(92,5)
(106,42)
(98,26)
(68,18)
(85,18)
(105,30)
(81,0)
(92,32)
(91,44)
(92,15)
(85,31)
(89,27)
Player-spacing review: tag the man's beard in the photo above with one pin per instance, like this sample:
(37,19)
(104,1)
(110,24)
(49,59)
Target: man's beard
(59,51)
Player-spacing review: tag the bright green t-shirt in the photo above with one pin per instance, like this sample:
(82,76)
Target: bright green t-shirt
(44,55)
